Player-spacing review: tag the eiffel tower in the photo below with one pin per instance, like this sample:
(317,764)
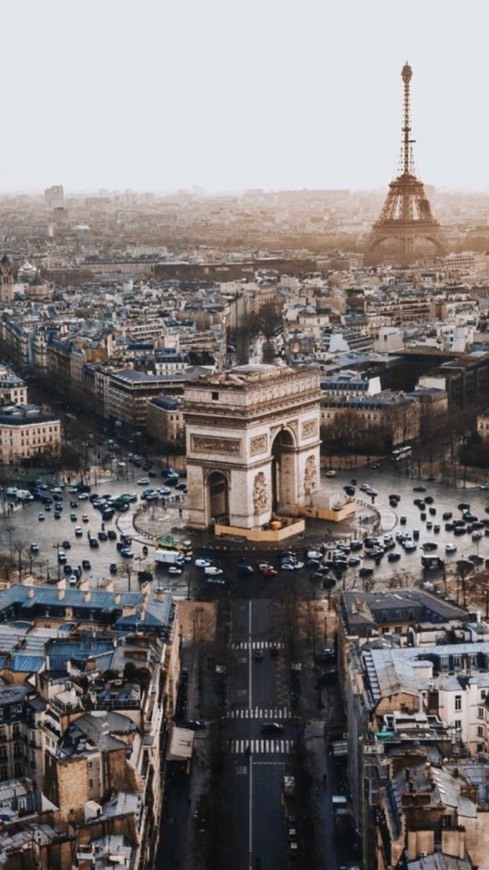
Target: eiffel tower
(406,214)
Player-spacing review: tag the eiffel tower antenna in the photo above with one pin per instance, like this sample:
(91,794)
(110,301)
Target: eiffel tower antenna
(406,214)
(407,142)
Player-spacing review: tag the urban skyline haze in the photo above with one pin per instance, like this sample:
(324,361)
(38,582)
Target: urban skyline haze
(162,96)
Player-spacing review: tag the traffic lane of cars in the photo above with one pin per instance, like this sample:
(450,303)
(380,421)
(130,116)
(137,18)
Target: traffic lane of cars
(23,527)
(444,500)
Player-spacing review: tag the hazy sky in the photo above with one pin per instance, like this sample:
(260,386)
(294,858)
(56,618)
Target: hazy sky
(231,94)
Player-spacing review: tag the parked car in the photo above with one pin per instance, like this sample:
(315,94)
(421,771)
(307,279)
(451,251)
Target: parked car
(113,568)
(86,565)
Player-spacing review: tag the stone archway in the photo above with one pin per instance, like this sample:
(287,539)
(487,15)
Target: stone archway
(217,497)
(283,470)
(252,438)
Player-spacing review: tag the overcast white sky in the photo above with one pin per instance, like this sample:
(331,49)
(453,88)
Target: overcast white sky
(232,94)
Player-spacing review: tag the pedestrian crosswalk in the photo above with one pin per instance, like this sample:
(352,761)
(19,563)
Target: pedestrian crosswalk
(260,747)
(258,644)
(259,713)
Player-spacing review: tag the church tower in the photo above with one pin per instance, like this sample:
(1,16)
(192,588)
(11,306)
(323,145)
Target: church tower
(6,280)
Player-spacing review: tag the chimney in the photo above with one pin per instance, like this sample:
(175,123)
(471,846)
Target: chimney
(31,592)
(87,595)
(61,593)
(117,598)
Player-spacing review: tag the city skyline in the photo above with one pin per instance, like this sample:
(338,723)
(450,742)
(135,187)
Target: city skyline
(257,96)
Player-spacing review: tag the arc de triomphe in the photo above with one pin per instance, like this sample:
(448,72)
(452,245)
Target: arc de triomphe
(252,444)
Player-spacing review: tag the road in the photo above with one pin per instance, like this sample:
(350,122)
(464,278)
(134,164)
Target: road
(258,694)
(21,527)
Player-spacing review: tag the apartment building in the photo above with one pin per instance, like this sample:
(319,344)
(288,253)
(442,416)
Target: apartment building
(26,432)
(395,414)
(165,419)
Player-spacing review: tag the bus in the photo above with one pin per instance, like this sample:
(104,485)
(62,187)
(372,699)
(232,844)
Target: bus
(401,453)
(170,543)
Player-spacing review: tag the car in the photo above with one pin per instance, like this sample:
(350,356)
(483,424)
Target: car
(73,579)
(61,557)
(151,473)
(126,553)
(113,567)
(419,488)
(363,487)
(78,531)
(409,546)
(450,548)
(164,490)
(295,565)
(203,563)
(353,561)
(484,486)
(366,572)
(258,655)
(274,650)
(66,545)
(34,547)
(429,546)
(476,559)
(213,571)
(195,724)
(86,565)
(395,496)
(331,473)
(181,487)
(219,581)
(349,489)
(268,571)
(93,543)
(429,499)
(84,518)
(447,515)
(41,517)
(112,536)
(174,569)
(393,556)
(314,554)
(245,569)
(463,506)
(143,481)
(374,466)
(83,496)
(73,504)
(102,536)
(272,728)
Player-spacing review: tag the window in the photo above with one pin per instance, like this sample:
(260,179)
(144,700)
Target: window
(458,702)
(480,713)
(480,731)
(458,724)
(215,396)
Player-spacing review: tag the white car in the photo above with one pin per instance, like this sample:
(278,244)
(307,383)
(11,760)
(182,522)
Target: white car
(213,571)
(203,563)
(409,546)
(143,481)
(83,496)
(484,486)
(314,554)
(174,569)
(450,548)
(217,580)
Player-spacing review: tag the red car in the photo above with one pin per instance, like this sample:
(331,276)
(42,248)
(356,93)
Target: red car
(267,570)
